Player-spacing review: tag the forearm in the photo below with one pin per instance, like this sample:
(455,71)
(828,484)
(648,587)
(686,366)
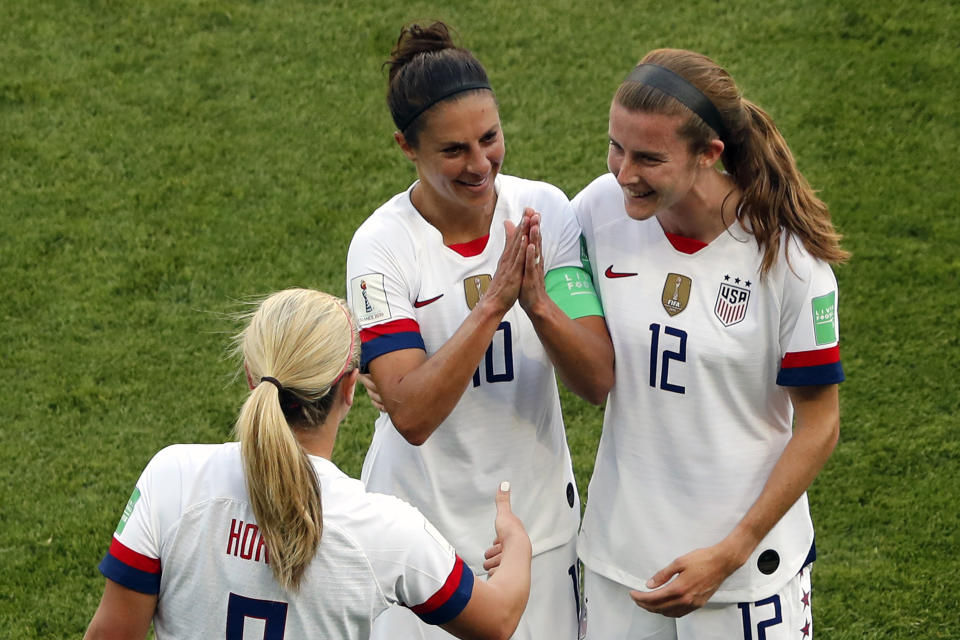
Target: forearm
(814,439)
(511,582)
(420,399)
(580,350)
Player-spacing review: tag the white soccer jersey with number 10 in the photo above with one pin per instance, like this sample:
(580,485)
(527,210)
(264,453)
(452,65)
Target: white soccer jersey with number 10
(409,290)
(188,534)
(699,412)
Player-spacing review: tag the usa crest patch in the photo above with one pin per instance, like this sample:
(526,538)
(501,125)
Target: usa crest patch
(732,301)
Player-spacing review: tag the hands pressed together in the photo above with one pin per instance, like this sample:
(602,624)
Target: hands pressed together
(519,273)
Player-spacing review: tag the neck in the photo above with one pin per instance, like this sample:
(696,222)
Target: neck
(706,211)
(319,440)
(457,224)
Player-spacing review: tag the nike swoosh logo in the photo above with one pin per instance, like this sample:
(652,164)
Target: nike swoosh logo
(610,273)
(423,303)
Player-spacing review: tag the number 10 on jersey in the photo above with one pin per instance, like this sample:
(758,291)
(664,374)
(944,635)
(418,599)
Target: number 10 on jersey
(497,368)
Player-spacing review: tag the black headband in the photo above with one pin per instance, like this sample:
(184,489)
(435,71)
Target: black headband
(675,86)
(404,120)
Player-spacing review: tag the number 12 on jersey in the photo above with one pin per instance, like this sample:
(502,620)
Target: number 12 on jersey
(664,358)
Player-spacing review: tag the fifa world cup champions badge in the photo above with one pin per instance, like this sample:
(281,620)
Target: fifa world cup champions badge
(474,287)
(676,293)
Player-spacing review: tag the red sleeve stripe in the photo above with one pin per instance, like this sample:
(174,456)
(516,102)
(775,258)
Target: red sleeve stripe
(443,594)
(387,328)
(811,358)
(131,558)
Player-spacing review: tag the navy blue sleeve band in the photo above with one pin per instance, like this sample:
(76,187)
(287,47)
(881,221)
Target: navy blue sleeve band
(131,578)
(387,343)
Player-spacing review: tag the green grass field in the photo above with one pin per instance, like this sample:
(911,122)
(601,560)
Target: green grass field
(163,162)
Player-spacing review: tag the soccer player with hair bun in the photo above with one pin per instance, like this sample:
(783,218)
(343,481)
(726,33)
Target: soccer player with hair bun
(266,537)
(471,298)
(722,306)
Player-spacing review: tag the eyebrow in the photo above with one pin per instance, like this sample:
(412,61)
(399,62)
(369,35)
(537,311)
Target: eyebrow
(639,152)
(453,144)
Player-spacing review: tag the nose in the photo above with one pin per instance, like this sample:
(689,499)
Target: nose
(478,162)
(626,172)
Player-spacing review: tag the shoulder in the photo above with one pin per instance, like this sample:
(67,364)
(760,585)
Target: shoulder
(522,190)
(181,459)
(599,200)
(392,217)
(798,267)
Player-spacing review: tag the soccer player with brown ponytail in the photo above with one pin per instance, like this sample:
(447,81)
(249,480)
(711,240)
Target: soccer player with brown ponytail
(712,257)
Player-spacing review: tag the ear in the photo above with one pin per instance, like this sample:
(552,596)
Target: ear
(246,370)
(405,146)
(712,154)
(348,384)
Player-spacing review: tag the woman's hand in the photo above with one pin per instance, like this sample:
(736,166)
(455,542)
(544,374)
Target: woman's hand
(372,392)
(505,286)
(533,291)
(693,579)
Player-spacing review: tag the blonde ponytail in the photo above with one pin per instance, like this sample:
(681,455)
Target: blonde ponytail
(304,341)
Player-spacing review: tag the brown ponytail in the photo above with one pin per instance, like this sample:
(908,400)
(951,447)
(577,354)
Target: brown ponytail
(776,197)
(304,341)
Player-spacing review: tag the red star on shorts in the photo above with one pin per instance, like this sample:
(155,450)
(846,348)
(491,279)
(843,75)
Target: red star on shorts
(805,630)
(805,599)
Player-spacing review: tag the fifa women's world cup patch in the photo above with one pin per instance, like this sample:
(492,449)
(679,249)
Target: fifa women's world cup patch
(676,293)
(369,299)
(732,300)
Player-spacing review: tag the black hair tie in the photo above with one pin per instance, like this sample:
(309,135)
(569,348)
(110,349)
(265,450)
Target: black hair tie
(273,381)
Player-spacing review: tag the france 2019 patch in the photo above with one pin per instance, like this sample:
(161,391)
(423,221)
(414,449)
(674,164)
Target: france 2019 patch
(369,299)
(128,510)
(825,318)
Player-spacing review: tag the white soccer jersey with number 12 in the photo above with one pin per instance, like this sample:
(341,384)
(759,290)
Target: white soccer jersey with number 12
(699,412)
(409,290)
(188,534)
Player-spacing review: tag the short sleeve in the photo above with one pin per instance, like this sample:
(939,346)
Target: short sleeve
(416,565)
(378,292)
(809,325)
(133,559)
(562,233)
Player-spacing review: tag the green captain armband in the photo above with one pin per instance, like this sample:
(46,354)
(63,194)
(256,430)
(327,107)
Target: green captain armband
(572,289)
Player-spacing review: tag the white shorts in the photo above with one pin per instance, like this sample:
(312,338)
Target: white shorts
(612,614)
(552,610)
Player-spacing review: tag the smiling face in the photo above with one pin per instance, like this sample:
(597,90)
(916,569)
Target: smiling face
(653,164)
(458,155)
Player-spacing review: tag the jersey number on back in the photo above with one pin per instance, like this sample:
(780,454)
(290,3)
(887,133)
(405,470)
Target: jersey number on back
(664,358)
(271,615)
(498,368)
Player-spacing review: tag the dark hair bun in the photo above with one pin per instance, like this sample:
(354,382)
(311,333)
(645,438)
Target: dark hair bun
(416,40)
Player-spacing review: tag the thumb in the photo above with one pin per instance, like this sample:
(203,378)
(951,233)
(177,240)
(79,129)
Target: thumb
(510,228)
(663,576)
(503,498)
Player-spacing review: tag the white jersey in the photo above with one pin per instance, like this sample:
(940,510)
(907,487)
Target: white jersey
(699,412)
(409,290)
(188,534)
